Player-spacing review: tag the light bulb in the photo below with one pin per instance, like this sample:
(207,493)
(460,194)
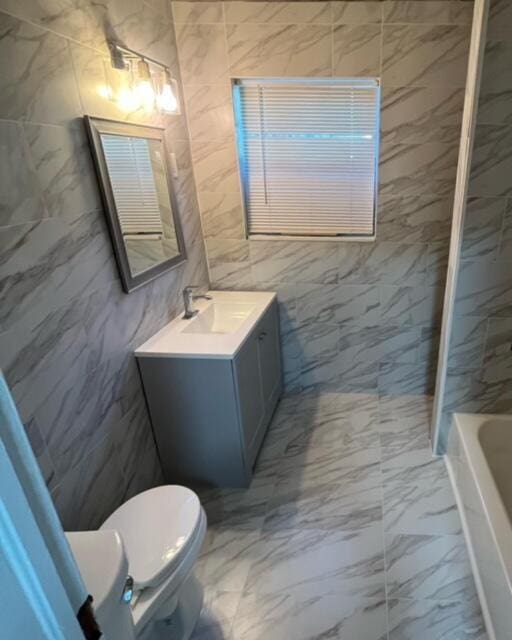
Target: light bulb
(145,94)
(144,87)
(128,100)
(167,100)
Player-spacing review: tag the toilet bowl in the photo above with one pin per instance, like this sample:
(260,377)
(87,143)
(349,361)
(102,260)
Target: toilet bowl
(139,566)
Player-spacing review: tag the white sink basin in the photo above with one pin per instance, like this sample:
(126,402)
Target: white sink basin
(218,331)
(220,318)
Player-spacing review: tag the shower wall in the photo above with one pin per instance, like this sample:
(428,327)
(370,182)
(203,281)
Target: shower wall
(479,376)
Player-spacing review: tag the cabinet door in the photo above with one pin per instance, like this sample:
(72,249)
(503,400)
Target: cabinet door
(270,357)
(248,383)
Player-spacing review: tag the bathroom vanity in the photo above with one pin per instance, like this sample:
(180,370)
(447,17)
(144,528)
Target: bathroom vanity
(212,383)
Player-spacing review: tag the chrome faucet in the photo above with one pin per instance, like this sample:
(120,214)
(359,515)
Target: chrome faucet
(188,298)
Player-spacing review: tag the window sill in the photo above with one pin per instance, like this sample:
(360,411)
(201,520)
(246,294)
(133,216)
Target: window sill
(261,236)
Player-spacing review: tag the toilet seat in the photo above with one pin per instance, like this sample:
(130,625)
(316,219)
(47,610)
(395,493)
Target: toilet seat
(157,528)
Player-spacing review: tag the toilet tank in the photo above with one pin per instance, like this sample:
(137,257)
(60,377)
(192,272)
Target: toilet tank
(104,567)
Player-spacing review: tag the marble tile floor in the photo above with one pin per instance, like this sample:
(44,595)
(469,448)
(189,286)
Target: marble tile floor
(349,531)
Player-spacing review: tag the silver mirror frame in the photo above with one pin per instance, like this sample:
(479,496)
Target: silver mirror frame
(95,127)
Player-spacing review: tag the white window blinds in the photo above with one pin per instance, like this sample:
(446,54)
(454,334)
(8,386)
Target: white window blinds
(133,185)
(308,152)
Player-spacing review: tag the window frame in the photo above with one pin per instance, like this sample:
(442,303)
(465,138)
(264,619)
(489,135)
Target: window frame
(341,237)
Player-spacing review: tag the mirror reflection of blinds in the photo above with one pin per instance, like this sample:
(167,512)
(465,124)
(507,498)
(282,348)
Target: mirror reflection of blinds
(133,185)
(308,155)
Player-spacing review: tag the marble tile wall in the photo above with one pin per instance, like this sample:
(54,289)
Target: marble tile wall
(479,366)
(354,316)
(67,331)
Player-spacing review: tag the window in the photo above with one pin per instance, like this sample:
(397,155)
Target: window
(308,152)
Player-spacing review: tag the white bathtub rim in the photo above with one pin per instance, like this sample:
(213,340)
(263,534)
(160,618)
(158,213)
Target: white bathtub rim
(486,614)
(467,425)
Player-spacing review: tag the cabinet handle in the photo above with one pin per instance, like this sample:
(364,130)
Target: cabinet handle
(262,335)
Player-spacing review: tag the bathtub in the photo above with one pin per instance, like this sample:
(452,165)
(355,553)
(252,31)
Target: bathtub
(479,461)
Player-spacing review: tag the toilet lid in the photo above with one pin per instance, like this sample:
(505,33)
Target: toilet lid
(156,526)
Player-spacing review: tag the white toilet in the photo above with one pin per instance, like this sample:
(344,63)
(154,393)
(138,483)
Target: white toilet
(139,566)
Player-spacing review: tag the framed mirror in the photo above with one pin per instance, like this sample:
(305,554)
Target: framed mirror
(138,196)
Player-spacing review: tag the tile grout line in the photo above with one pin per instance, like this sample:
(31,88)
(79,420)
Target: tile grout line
(189,141)
(502,229)
(386,590)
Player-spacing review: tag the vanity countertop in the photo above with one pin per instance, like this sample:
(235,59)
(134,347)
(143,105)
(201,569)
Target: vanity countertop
(228,318)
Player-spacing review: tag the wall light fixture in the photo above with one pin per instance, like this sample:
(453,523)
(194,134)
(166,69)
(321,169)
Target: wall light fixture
(149,85)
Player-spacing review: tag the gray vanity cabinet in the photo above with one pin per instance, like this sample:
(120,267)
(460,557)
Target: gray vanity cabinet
(257,373)
(270,359)
(210,415)
(248,390)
